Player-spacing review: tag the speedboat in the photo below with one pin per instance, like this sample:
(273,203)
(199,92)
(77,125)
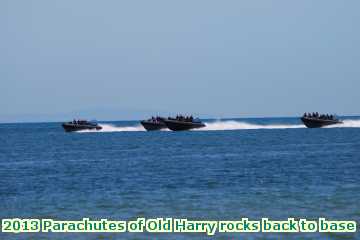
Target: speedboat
(311,121)
(78,125)
(154,124)
(183,123)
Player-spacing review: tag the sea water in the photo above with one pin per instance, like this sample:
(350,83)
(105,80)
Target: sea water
(238,168)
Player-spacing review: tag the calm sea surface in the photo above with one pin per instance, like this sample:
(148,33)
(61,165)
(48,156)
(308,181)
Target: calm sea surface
(236,168)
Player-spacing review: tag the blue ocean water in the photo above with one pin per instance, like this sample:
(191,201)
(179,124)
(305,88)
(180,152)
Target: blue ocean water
(255,168)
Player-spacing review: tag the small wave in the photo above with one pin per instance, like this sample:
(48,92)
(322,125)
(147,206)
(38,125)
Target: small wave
(239,125)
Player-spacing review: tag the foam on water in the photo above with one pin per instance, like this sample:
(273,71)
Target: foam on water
(347,124)
(242,125)
(225,125)
(113,128)
(239,125)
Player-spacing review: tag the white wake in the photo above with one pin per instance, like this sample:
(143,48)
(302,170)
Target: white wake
(226,125)
(242,125)
(113,128)
(239,125)
(350,123)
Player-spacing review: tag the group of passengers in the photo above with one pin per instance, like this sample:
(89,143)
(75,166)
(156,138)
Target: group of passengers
(178,117)
(184,119)
(319,116)
(78,122)
(156,119)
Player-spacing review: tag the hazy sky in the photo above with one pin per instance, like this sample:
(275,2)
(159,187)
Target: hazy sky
(129,59)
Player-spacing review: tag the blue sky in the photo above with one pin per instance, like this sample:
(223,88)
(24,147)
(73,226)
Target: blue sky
(115,60)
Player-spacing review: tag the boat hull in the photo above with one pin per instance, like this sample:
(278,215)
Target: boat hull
(319,123)
(175,125)
(153,126)
(76,127)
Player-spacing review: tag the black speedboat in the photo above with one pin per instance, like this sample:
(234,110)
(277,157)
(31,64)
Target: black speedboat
(154,124)
(318,121)
(78,125)
(183,123)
